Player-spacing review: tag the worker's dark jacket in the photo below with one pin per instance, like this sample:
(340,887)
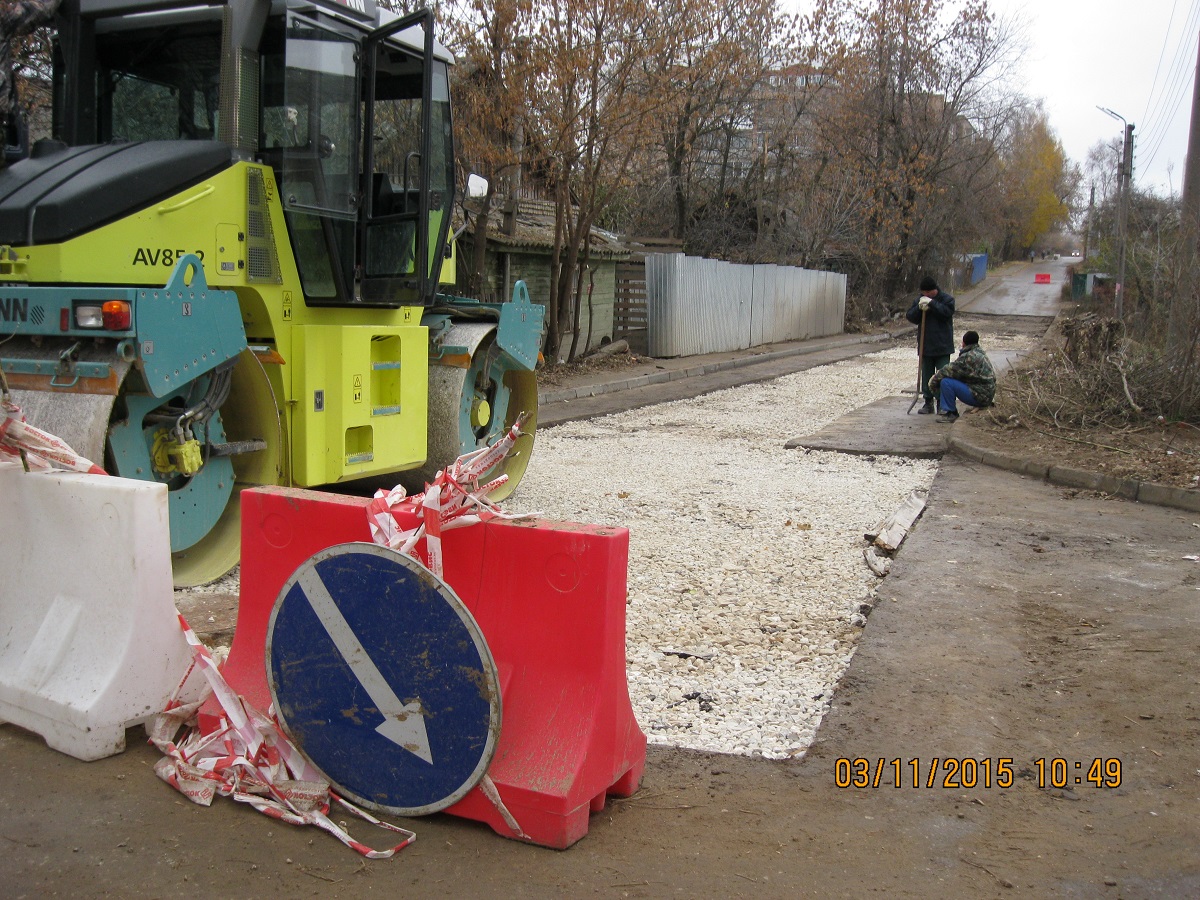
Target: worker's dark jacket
(939,325)
(974,369)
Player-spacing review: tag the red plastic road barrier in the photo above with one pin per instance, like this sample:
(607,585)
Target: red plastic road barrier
(1041,278)
(281,528)
(549,598)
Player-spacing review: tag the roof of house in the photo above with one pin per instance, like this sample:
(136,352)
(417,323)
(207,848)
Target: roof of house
(534,230)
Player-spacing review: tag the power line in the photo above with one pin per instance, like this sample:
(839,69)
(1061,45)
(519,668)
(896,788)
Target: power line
(1181,63)
(1161,113)
(1169,98)
(1155,133)
(1161,53)
(1154,140)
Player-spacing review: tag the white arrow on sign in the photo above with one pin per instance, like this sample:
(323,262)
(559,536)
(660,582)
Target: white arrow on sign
(403,723)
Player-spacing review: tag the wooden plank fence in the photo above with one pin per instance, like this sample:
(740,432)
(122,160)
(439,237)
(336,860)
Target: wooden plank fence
(629,307)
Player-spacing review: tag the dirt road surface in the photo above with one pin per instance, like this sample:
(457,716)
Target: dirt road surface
(1025,632)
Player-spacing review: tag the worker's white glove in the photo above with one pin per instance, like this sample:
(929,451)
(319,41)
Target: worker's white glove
(924,302)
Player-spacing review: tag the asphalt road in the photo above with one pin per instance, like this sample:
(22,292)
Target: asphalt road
(1015,291)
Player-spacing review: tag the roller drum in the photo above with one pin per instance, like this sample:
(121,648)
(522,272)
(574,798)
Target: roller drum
(473,404)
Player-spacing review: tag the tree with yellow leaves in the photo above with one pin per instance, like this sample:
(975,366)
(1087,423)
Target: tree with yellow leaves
(1037,183)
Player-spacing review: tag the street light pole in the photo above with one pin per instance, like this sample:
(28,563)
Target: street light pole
(1125,185)
(1087,231)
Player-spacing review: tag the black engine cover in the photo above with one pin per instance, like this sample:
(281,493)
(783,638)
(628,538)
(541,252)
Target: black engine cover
(61,192)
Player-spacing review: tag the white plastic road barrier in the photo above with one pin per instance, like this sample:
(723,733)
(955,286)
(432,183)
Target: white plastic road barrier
(90,642)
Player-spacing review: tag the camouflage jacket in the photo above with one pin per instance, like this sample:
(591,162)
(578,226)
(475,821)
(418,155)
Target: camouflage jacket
(973,368)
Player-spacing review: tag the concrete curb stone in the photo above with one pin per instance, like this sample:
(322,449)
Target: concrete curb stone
(574,393)
(1162,495)
(1034,468)
(1125,488)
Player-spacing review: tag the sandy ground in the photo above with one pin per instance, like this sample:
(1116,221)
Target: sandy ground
(1025,632)
(1019,624)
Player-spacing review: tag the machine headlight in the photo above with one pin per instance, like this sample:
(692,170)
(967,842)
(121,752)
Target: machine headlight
(90,315)
(111,315)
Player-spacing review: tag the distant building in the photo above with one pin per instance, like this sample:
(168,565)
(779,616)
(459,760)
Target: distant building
(520,248)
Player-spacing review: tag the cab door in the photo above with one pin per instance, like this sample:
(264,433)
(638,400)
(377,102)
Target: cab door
(408,164)
(314,136)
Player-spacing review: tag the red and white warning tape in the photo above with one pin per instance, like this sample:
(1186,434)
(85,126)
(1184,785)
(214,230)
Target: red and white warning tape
(42,450)
(247,758)
(453,499)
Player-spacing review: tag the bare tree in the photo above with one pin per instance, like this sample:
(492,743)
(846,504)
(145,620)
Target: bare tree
(24,60)
(919,114)
(713,60)
(589,110)
(874,135)
(491,96)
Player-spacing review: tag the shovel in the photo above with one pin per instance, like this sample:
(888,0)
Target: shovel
(920,360)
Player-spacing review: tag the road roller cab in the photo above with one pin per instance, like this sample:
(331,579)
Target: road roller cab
(224,268)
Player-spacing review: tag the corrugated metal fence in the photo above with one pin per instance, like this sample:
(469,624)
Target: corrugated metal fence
(699,305)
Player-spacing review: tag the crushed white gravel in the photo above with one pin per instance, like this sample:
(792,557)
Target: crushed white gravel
(745,559)
(746,569)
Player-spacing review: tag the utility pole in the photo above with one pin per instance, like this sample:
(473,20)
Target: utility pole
(1087,230)
(1127,180)
(1124,184)
(1182,305)
(1191,168)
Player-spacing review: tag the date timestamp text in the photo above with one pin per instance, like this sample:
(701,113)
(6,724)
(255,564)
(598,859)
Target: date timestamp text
(958,772)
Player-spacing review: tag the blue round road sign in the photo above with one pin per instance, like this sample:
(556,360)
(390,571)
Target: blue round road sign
(382,679)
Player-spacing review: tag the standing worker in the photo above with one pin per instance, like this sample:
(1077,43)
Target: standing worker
(933,314)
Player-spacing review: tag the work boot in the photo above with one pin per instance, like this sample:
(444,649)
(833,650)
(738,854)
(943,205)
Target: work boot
(948,418)
(927,409)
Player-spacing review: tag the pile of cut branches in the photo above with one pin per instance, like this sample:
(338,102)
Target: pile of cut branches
(1091,374)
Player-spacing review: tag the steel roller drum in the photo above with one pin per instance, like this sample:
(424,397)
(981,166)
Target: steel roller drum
(85,421)
(473,406)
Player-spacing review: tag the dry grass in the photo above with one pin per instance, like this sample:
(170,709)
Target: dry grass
(1094,399)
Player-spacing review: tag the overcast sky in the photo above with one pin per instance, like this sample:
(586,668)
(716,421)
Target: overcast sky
(1136,58)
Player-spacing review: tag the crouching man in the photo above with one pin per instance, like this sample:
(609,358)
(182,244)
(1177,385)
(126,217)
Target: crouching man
(969,378)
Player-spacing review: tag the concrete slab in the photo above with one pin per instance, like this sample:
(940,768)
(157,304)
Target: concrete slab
(881,428)
(1002,360)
